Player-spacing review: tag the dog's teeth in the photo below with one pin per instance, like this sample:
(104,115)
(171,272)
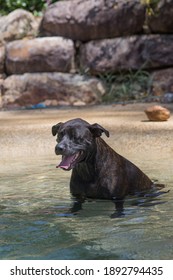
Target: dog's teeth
(68,161)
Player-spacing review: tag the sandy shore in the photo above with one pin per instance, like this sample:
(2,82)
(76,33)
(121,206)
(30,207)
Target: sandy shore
(27,134)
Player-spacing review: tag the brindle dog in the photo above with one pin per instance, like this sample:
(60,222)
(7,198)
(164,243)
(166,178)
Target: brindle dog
(97,170)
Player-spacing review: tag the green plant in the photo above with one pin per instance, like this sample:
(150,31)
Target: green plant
(34,6)
(122,87)
(151,5)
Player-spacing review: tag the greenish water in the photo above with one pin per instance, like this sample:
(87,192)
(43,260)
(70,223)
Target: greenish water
(35,198)
(35,224)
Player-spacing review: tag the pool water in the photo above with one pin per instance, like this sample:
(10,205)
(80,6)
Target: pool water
(35,222)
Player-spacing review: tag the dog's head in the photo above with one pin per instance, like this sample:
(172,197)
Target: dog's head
(75,141)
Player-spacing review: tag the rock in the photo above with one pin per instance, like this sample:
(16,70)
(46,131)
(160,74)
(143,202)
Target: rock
(51,102)
(1,85)
(30,89)
(167,97)
(90,20)
(162,82)
(161,20)
(51,54)
(79,103)
(157,113)
(17,25)
(2,59)
(2,77)
(134,52)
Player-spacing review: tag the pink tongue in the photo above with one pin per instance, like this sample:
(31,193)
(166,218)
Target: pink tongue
(66,162)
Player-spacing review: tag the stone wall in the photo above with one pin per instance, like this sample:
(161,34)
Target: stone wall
(45,60)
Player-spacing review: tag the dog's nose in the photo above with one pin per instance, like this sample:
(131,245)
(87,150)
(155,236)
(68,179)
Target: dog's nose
(59,148)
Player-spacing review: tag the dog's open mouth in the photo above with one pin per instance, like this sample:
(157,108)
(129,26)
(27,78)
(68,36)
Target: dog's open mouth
(69,162)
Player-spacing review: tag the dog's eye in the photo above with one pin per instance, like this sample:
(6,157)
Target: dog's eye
(72,134)
(59,137)
(76,137)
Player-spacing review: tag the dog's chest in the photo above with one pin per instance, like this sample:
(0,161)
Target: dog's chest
(91,185)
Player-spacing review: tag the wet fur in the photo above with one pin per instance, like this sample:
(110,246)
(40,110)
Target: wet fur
(103,174)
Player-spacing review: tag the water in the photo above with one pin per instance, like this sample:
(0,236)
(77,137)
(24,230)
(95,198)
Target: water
(35,199)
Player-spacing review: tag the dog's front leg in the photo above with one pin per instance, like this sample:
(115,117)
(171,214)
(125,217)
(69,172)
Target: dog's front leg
(77,204)
(119,208)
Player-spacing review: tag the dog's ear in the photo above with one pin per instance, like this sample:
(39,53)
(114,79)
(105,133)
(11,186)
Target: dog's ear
(97,130)
(55,128)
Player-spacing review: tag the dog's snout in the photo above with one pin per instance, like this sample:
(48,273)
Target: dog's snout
(59,148)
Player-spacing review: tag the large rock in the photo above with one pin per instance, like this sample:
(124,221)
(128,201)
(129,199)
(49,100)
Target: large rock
(17,25)
(2,59)
(89,20)
(134,52)
(161,20)
(157,113)
(1,85)
(162,82)
(51,54)
(30,89)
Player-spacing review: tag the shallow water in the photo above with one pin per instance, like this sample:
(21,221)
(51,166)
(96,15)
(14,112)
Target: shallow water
(35,198)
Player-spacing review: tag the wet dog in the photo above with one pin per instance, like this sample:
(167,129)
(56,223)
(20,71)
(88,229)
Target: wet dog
(97,170)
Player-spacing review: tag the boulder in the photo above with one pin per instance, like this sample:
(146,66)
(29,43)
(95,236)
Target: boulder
(90,20)
(2,59)
(162,82)
(157,113)
(167,97)
(17,25)
(134,52)
(50,54)
(54,88)
(1,86)
(161,19)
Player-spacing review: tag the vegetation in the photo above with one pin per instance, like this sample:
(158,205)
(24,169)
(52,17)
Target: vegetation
(150,6)
(123,87)
(34,6)
(7,6)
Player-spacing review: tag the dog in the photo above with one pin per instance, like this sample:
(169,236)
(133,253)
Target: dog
(98,172)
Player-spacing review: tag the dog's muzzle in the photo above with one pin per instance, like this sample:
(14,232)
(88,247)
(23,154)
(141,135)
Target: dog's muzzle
(68,161)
